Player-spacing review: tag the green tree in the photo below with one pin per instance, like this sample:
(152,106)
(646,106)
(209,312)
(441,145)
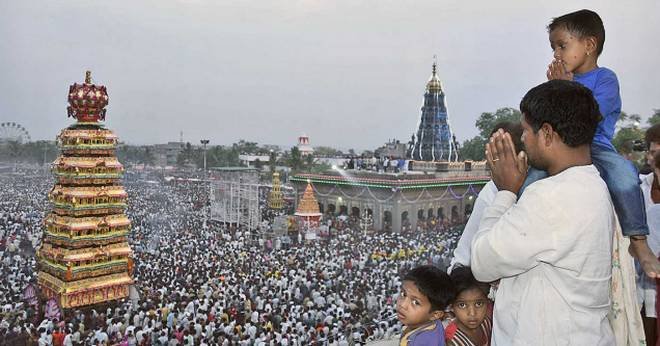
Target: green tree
(367,153)
(322,151)
(487,121)
(473,149)
(246,147)
(15,151)
(37,152)
(272,161)
(320,168)
(129,154)
(655,118)
(221,156)
(309,162)
(149,159)
(628,133)
(625,137)
(186,156)
(295,159)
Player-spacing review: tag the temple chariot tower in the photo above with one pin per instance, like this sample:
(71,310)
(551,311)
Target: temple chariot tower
(85,258)
(307,211)
(276,197)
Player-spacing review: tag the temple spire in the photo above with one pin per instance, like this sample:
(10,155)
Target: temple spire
(433,140)
(433,84)
(435,64)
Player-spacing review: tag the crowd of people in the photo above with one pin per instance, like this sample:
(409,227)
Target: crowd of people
(381,164)
(553,237)
(200,282)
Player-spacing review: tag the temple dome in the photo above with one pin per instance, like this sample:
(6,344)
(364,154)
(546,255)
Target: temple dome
(433,84)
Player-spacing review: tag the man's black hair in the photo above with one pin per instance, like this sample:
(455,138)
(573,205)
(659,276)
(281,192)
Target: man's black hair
(434,283)
(583,24)
(568,107)
(464,280)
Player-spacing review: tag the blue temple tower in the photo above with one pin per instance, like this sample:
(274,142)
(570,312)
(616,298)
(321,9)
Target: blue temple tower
(434,140)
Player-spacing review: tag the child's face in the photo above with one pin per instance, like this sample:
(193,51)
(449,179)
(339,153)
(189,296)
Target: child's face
(573,52)
(470,308)
(413,308)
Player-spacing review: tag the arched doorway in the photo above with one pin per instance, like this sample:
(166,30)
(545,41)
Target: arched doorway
(343,210)
(420,214)
(387,221)
(332,208)
(430,213)
(405,223)
(455,217)
(355,211)
(441,213)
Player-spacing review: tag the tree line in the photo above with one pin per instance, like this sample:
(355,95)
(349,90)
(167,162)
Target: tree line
(627,138)
(629,134)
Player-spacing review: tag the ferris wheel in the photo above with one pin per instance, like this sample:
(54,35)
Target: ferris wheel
(13,132)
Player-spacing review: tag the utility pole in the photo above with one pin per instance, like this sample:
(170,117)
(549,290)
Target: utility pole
(207,207)
(204,143)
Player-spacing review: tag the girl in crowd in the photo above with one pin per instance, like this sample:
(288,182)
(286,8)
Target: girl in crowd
(472,309)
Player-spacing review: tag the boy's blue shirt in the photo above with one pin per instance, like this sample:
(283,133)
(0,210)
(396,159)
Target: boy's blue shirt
(431,333)
(605,86)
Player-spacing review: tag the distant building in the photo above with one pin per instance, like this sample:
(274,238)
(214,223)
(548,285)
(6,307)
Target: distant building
(304,147)
(393,149)
(244,175)
(397,199)
(166,154)
(251,160)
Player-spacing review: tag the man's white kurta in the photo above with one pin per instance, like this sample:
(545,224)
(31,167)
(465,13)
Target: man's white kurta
(552,253)
(464,247)
(646,287)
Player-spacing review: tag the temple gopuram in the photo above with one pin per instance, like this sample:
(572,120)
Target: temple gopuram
(434,140)
(85,258)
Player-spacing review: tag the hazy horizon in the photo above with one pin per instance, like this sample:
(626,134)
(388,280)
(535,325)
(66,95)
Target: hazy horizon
(349,74)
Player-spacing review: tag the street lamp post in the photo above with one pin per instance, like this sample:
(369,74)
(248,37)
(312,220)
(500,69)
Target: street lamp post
(207,208)
(204,143)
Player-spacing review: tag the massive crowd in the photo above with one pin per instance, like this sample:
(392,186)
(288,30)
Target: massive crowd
(202,283)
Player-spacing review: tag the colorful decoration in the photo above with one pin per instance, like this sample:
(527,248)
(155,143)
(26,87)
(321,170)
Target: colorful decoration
(30,295)
(53,311)
(390,183)
(308,208)
(85,258)
(276,197)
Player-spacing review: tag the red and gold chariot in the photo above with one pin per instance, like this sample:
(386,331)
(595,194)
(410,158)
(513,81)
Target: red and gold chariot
(85,258)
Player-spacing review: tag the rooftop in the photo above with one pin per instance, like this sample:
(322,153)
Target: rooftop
(407,180)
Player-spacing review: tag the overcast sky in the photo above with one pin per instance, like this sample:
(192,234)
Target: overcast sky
(348,73)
